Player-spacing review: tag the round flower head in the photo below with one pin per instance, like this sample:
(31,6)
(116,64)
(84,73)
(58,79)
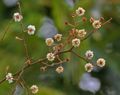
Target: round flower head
(17,17)
(89,54)
(59,69)
(101,62)
(31,29)
(9,77)
(34,89)
(50,56)
(76,42)
(96,24)
(58,37)
(81,33)
(49,41)
(88,67)
(80,11)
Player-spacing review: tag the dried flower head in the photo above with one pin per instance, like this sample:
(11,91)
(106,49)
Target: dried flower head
(34,89)
(17,17)
(101,62)
(81,33)
(59,69)
(58,37)
(9,77)
(49,41)
(31,29)
(58,47)
(80,11)
(50,56)
(76,42)
(88,67)
(89,54)
(96,24)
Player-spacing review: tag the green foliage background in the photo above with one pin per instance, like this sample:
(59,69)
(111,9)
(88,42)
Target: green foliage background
(105,43)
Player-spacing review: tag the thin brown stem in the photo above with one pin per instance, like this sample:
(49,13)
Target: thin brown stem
(107,21)
(22,27)
(24,68)
(6,29)
(80,56)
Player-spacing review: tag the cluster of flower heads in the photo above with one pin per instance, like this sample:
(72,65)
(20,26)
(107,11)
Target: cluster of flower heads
(82,33)
(89,66)
(75,42)
(95,23)
(77,35)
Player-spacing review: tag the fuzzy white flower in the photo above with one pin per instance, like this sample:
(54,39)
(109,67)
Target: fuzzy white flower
(96,24)
(49,41)
(101,62)
(76,42)
(34,89)
(31,29)
(59,69)
(89,54)
(81,33)
(50,56)
(58,37)
(80,11)
(9,77)
(17,17)
(88,67)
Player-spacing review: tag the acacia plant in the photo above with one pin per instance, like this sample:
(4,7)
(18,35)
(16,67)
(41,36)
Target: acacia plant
(53,58)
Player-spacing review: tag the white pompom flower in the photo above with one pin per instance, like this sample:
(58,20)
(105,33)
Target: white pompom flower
(31,29)
(81,33)
(88,67)
(96,24)
(76,42)
(59,69)
(34,89)
(9,77)
(49,41)
(89,54)
(58,37)
(101,62)
(50,56)
(80,11)
(17,17)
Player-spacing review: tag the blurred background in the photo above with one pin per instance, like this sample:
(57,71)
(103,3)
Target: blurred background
(49,16)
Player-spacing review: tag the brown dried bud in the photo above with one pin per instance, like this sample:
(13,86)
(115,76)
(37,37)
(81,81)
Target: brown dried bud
(60,45)
(57,48)
(73,32)
(67,59)
(66,23)
(84,19)
(92,20)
